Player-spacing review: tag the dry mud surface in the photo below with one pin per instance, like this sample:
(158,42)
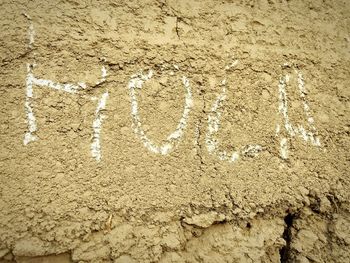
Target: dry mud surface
(174,131)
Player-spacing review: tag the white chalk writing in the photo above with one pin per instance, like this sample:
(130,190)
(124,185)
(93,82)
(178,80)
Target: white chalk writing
(172,140)
(293,130)
(31,81)
(213,127)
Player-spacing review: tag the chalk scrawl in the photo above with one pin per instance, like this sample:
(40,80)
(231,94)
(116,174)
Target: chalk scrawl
(295,130)
(32,81)
(213,127)
(136,82)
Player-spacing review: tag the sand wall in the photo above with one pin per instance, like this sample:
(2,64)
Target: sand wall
(174,131)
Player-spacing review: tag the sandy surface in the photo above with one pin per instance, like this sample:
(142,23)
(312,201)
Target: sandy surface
(174,131)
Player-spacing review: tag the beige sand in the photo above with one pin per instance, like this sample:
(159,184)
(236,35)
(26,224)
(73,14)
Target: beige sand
(286,200)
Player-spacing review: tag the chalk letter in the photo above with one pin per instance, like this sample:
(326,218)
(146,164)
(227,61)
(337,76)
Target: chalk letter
(31,81)
(136,82)
(213,127)
(293,130)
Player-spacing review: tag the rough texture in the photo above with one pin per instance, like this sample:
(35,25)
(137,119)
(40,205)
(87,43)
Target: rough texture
(59,203)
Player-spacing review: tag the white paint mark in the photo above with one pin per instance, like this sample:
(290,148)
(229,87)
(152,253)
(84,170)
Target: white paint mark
(251,150)
(213,127)
(31,80)
(307,135)
(284,148)
(103,75)
(31,121)
(31,34)
(172,140)
(30,134)
(68,87)
(233,64)
(96,126)
(278,129)
(294,130)
(71,88)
